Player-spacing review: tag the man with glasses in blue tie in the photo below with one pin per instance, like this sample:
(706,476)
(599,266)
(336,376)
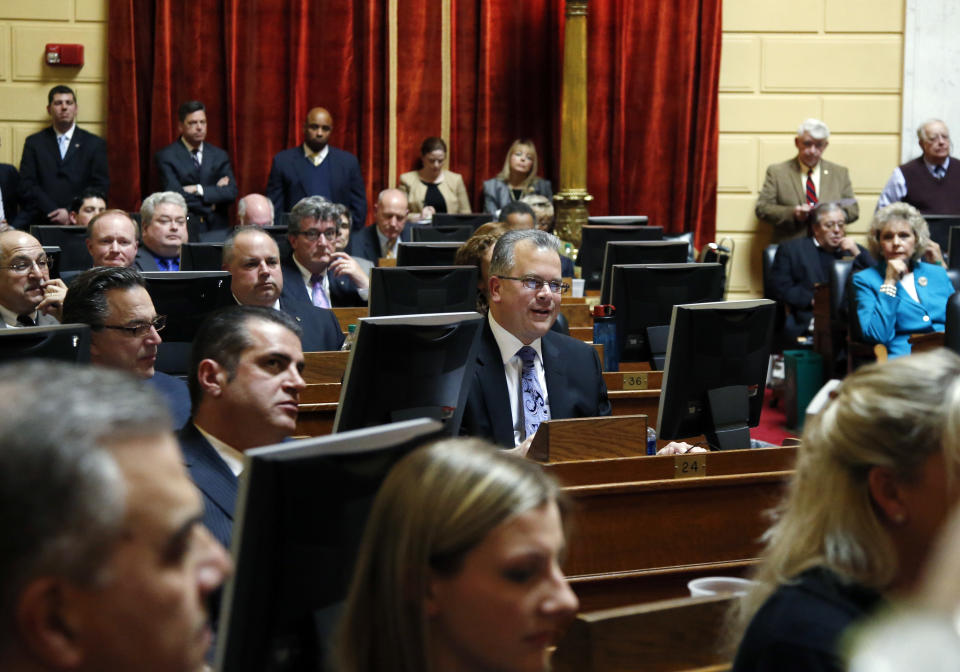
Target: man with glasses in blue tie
(526,373)
(315,273)
(930,182)
(28,297)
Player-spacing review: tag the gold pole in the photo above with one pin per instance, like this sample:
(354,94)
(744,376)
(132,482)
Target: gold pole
(571,201)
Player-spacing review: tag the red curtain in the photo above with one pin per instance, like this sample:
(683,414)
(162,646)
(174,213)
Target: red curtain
(259,65)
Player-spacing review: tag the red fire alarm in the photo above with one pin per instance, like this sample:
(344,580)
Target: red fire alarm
(64,54)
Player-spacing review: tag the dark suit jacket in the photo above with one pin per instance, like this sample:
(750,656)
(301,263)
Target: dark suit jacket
(178,169)
(575,387)
(289,177)
(343,291)
(215,481)
(175,391)
(144,261)
(366,244)
(10,191)
(794,271)
(42,321)
(496,193)
(48,182)
(321,329)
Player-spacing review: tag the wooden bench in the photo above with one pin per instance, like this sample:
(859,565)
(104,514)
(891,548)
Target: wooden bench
(667,636)
(348,316)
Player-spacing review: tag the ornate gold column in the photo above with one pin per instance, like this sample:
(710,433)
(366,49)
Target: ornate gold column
(571,201)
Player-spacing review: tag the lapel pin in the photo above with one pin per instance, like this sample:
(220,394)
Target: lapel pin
(922,281)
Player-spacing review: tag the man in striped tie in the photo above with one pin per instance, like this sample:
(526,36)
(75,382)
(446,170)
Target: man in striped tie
(793,188)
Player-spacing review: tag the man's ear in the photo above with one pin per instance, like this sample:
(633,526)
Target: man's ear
(47,623)
(212,377)
(494,289)
(885,491)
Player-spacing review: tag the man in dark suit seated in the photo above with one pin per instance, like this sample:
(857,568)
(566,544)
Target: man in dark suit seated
(253,260)
(245,387)
(197,170)
(28,297)
(803,262)
(315,273)
(389,228)
(58,163)
(526,373)
(317,169)
(252,210)
(124,329)
(103,527)
(163,229)
(86,205)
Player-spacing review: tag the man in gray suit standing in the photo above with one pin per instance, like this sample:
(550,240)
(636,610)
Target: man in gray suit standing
(794,187)
(28,297)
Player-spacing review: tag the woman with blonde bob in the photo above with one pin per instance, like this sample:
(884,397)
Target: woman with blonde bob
(517,178)
(907,292)
(874,482)
(459,566)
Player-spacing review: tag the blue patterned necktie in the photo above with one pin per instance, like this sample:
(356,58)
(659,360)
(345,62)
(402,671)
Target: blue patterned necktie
(534,405)
(939,172)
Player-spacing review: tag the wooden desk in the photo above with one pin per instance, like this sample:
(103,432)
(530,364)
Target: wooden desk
(325,367)
(578,439)
(348,316)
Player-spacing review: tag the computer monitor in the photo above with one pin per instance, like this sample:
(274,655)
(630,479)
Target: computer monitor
(409,366)
(427,254)
(593,246)
(716,371)
(201,256)
(411,290)
(72,241)
(606,220)
(474,219)
(644,296)
(186,298)
(53,260)
(939,226)
(301,511)
(952,336)
(639,252)
(441,234)
(65,342)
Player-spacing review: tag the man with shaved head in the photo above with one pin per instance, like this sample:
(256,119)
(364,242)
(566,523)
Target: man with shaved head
(28,297)
(252,210)
(381,240)
(317,169)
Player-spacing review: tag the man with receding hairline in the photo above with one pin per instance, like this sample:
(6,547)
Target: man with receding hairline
(389,229)
(28,297)
(930,182)
(112,239)
(318,169)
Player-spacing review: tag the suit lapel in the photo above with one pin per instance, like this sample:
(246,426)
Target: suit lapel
(556,377)
(798,177)
(493,383)
(811,261)
(208,470)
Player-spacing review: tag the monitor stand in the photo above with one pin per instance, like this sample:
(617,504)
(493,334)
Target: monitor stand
(658,339)
(730,416)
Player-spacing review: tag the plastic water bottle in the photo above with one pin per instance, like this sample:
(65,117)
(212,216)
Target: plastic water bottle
(605,332)
(651,440)
(351,336)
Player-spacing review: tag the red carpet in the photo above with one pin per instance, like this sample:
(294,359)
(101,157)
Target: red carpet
(772,427)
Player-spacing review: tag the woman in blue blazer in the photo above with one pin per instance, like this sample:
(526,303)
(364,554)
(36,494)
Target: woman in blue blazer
(907,292)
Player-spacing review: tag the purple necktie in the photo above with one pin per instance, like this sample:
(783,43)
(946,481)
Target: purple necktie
(317,295)
(535,408)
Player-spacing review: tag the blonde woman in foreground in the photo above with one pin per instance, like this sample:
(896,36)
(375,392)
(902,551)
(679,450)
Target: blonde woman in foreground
(874,482)
(459,568)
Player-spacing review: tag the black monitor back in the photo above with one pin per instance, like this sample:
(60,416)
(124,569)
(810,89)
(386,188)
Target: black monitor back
(716,371)
(441,234)
(201,256)
(607,220)
(474,219)
(639,252)
(644,296)
(300,516)
(409,290)
(64,342)
(72,241)
(53,259)
(427,254)
(410,366)
(186,298)
(593,246)
(939,226)
(952,335)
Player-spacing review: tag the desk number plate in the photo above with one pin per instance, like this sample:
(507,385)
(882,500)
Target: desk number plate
(690,465)
(636,380)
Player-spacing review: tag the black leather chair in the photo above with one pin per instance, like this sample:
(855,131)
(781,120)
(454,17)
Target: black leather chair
(766,262)
(952,336)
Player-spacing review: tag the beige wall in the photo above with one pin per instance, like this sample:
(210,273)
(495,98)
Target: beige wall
(25,27)
(783,61)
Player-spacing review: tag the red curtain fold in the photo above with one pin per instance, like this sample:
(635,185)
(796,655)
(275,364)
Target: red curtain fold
(259,65)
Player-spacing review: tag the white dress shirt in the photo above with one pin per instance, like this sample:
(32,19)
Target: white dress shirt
(513,368)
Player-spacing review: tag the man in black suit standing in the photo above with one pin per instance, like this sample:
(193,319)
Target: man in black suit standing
(253,260)
(315,273)
(58,163)
(317,169)
(197,170)
(526,373)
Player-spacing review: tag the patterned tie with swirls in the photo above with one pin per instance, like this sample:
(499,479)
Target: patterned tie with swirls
(534,405)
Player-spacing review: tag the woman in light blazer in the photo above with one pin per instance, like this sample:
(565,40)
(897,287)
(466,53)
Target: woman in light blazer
(433,189)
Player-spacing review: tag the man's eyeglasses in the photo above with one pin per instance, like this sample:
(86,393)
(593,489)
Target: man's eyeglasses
(138,330)
(313,235)
(534,283)
(24,265)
